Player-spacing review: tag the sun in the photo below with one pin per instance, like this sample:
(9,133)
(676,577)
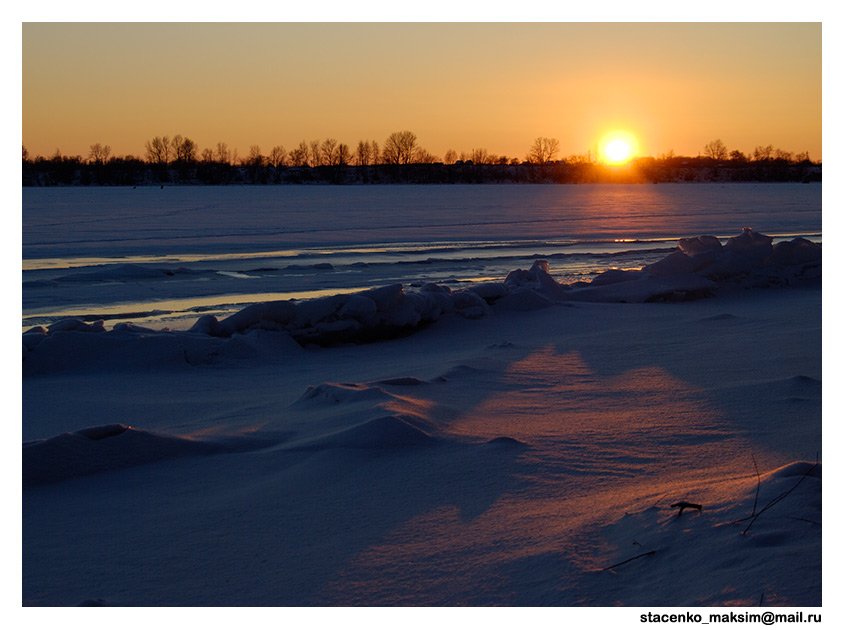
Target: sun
(618,147)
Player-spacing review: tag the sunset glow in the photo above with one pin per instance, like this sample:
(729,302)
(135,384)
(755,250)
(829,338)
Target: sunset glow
(86,83)
(618,147)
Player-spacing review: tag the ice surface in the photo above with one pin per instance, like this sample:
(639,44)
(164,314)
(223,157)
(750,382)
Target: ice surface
(165,257)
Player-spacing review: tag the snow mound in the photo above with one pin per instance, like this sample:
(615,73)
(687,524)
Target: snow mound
(402,381)
(100,448)
(701,266)
(797,469)
(505,440)
(644,287)
(71,345)
(338,393)
(386,432)
(370,315)
(457,372)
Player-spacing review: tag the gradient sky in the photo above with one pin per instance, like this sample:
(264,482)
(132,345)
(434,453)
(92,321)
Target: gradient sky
(457,86)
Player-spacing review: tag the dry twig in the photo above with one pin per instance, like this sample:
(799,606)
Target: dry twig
(780,497)
(686,504)
(619,564)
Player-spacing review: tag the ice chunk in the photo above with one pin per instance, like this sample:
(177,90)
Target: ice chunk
(490,291)
(699,244)
(755,246)
(360,308)
(523,299)
(77,325)
(469,304)
(675,263)
(280,311)
(798,251)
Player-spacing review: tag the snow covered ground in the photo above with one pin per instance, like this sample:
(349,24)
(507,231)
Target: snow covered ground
(526,439)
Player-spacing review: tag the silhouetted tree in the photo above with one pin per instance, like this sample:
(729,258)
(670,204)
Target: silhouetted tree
(184,150)
(344,155)
(328,152)
(364,153)
(222,155)
(254,158)
(98,153)
(314,153)
(543,150)
(784,156)
(716,150)
(400,148)
(158,150)
(763,154)
(277,156)
(299,156)
(480,156)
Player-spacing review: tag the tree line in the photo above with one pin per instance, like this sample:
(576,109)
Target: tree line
(400,158)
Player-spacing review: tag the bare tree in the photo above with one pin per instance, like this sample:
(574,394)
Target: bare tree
(480,156)
(222,154)
(424,157)
(158,150)
(315,155)
(400,148)
(364,153)
(716,150)
(786,156)
(98,153)
(344,155)
(299,156)
(763,154)
(450,157)
(255,158)
(543,150)
(328,152)
(277,156)
(184,149)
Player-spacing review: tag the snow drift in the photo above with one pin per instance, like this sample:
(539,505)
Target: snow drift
(108,447)
(698,268)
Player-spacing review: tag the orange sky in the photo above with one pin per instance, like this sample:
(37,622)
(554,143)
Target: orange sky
(458,86)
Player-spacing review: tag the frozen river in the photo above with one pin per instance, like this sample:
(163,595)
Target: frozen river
(162,256)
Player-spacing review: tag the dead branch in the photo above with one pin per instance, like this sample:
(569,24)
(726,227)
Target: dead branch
(780,497)
(619,564)
(686,504)
(757,494)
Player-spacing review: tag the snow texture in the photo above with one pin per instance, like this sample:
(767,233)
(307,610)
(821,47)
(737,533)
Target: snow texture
(528,445)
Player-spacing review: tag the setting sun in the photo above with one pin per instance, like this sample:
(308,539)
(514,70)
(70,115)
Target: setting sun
(617,147)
